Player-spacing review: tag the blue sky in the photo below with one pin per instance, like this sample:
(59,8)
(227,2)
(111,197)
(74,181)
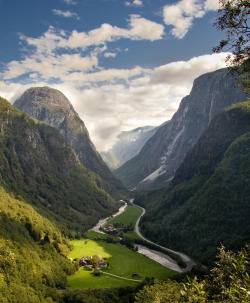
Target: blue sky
(122,63)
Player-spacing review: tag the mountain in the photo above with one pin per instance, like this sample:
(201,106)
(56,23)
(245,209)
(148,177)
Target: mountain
(110,160)
(160,157)
(51,106)
(38,164)
(207,202)
(46,197)
(128,145)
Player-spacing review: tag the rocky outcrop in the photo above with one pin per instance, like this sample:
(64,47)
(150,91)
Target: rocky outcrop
(163,153)
(51,106)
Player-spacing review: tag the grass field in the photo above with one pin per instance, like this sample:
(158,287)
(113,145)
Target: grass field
(95,235)
(131,235)
(130,215)
(123,262)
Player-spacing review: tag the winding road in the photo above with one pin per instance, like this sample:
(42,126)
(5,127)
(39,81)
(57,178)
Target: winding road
(159,257)
(173,266)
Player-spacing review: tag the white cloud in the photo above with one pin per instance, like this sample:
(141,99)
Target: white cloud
(45,61)
(212,5)
(182,14)
(134,3)
(139,29)
(107,100)
(108,55)
(69,2)
(64,14)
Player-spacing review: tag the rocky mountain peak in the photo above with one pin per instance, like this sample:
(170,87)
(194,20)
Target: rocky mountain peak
(163,152)
(43,96)
(51,106)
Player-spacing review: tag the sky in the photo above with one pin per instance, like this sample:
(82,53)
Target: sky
(121,63)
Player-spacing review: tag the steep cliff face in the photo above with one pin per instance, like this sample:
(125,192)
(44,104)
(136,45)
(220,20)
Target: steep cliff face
(162,154)
(37,163)
(207,202)
(51,106)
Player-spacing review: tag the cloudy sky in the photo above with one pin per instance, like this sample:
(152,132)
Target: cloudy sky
(121,63)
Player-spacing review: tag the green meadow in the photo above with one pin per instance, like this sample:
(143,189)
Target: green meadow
(122,262)
(130,215)
(99,236)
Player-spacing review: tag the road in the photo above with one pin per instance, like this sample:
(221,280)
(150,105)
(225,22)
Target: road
(107,273)
(159,257)
(184,257)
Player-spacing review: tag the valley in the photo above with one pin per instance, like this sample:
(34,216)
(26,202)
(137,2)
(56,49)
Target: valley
(112,253)
(51,197)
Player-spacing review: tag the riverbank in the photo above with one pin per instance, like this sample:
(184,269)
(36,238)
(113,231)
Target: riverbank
(158,256)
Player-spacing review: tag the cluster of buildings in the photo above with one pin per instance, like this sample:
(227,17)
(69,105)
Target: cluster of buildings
(95,261)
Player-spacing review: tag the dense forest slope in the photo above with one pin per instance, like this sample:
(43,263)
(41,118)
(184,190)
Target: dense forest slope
(207,202)
(160,157)
(51,106)
(38,164)
(32,265)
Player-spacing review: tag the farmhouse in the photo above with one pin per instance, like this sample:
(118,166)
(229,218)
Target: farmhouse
(95,261)
(110,228)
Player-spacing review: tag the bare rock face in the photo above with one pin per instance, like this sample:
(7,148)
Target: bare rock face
(164,152)
(51,106)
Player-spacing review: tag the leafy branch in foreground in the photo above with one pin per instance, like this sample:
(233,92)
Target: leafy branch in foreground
(234,19)
(228,281)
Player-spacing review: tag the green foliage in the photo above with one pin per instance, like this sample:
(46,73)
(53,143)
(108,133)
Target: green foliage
(228,282)
(210,189)
(110,295)
(30,268)
(234,19)
(38,165)
(160,292)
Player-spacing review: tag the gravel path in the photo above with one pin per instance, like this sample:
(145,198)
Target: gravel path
(107,273)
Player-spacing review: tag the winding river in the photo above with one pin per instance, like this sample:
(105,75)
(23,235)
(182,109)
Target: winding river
(157,256)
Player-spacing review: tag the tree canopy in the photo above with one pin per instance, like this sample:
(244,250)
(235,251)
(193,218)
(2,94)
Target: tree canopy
(234,19)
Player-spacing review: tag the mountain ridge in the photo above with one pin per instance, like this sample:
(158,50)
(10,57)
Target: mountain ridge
(38,164)
(51,106)
(210,189)
(166,149)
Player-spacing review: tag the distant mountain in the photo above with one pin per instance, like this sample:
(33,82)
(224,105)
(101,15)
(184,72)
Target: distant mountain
(51,106)
(128,145)
(38,164)
(110,160)
(160,157)
(207,202)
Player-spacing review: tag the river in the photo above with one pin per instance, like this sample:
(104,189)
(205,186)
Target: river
(157,256)
(104,221)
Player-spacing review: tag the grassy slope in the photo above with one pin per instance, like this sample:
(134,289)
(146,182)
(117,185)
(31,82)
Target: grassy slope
(123,262)
(30,270)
